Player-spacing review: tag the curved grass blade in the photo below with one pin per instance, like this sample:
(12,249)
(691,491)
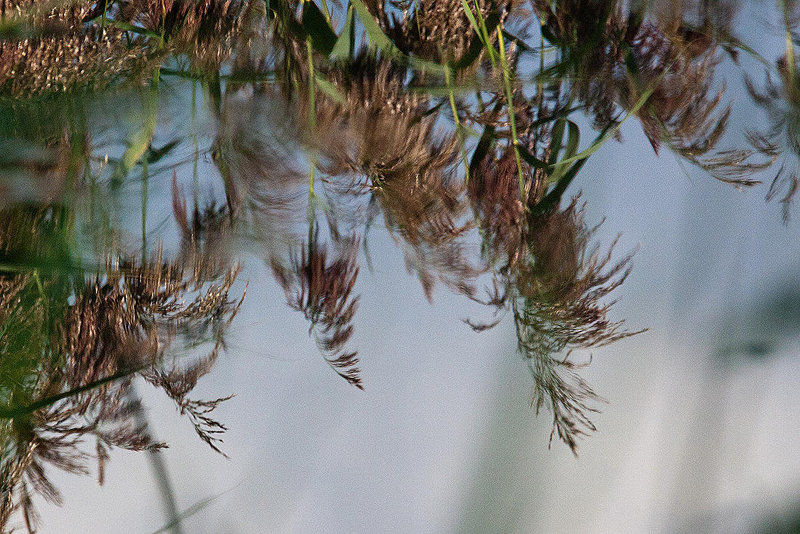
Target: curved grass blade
(193,509)
(556,140)
(477,45)
(532,160)
(611,132)
(573,139)
(10,412)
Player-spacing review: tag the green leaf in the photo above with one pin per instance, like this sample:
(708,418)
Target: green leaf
(376,36)
(556,116)
(573,139)
(553,198)
(556,138)
(610,132)
(156,154)
(345,44)
(139,141)
(482,149)
(122,25)
(471,17)
(531,159)
(331,90)
(477,45)
(316,26)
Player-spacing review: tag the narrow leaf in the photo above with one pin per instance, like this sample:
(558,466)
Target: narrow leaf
(316,26)
(345,44)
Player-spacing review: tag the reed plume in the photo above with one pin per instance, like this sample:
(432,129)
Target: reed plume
(71,344)
(320,285)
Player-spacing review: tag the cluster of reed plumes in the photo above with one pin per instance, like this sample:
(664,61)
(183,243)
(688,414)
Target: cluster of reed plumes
(661,64)
(374,135)
(557,297)
(72,342)
(52,49)
(426,121)
(67,45)
(378,142)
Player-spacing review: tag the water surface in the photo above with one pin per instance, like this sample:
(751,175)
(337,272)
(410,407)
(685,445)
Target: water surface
(350,263)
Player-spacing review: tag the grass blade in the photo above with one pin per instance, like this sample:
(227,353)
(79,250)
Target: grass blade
(346,42)
(316,26)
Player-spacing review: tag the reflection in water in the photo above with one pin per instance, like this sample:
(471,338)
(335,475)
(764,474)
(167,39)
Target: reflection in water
(448,120)
(322,290)
(72,343)
(556,299)
(780,102)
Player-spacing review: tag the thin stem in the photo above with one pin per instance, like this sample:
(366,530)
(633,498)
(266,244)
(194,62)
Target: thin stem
(459,130)
(790,62)
(539,82)
(312,113)
(485,32)
(511,117)
(161,474)
(327,12)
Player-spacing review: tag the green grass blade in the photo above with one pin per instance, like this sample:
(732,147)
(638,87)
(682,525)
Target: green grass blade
(477,45)
(610,132)
(457,121)
(331,90)
(487,32)
(532,160)
(122,25)
(140,139)
(573,139)
(556,140)
(346,42)
(472,21)
(316,26)
(511,113)
(193,509)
